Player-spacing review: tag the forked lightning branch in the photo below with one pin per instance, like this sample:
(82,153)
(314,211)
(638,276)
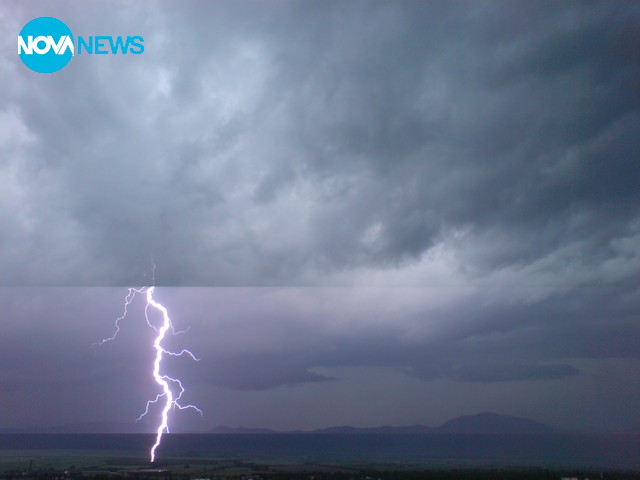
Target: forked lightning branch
(171,388)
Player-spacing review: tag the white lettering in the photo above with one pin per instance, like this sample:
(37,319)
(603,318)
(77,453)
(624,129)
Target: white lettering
(42,44)
(47,44)
(63,44)
(24,47)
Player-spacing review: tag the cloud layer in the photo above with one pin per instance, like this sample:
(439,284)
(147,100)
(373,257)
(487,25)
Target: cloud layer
(428,353)
(293,144)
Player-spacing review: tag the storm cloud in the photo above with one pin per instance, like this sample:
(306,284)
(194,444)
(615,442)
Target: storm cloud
(282,344)
(295,143)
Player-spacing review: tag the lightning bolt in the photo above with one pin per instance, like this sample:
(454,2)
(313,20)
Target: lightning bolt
(172,388)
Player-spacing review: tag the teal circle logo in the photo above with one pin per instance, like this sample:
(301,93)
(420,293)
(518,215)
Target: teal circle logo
(45,45)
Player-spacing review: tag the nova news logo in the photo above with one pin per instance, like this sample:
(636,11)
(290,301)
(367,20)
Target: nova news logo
(46,45)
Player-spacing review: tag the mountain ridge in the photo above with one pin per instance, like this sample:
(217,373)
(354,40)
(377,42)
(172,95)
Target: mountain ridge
(481,423)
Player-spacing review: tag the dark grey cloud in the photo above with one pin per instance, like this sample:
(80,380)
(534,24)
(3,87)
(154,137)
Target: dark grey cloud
(292,143)
(513,372)
(287,342)
(259,372)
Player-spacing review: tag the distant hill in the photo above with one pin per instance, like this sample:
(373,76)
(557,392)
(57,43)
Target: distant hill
(342,430)
(415,429)
(492,423)
(223,429)
(9,430)
(482,423)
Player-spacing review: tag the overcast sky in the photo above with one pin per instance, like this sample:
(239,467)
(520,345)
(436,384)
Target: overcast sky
(367,212)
